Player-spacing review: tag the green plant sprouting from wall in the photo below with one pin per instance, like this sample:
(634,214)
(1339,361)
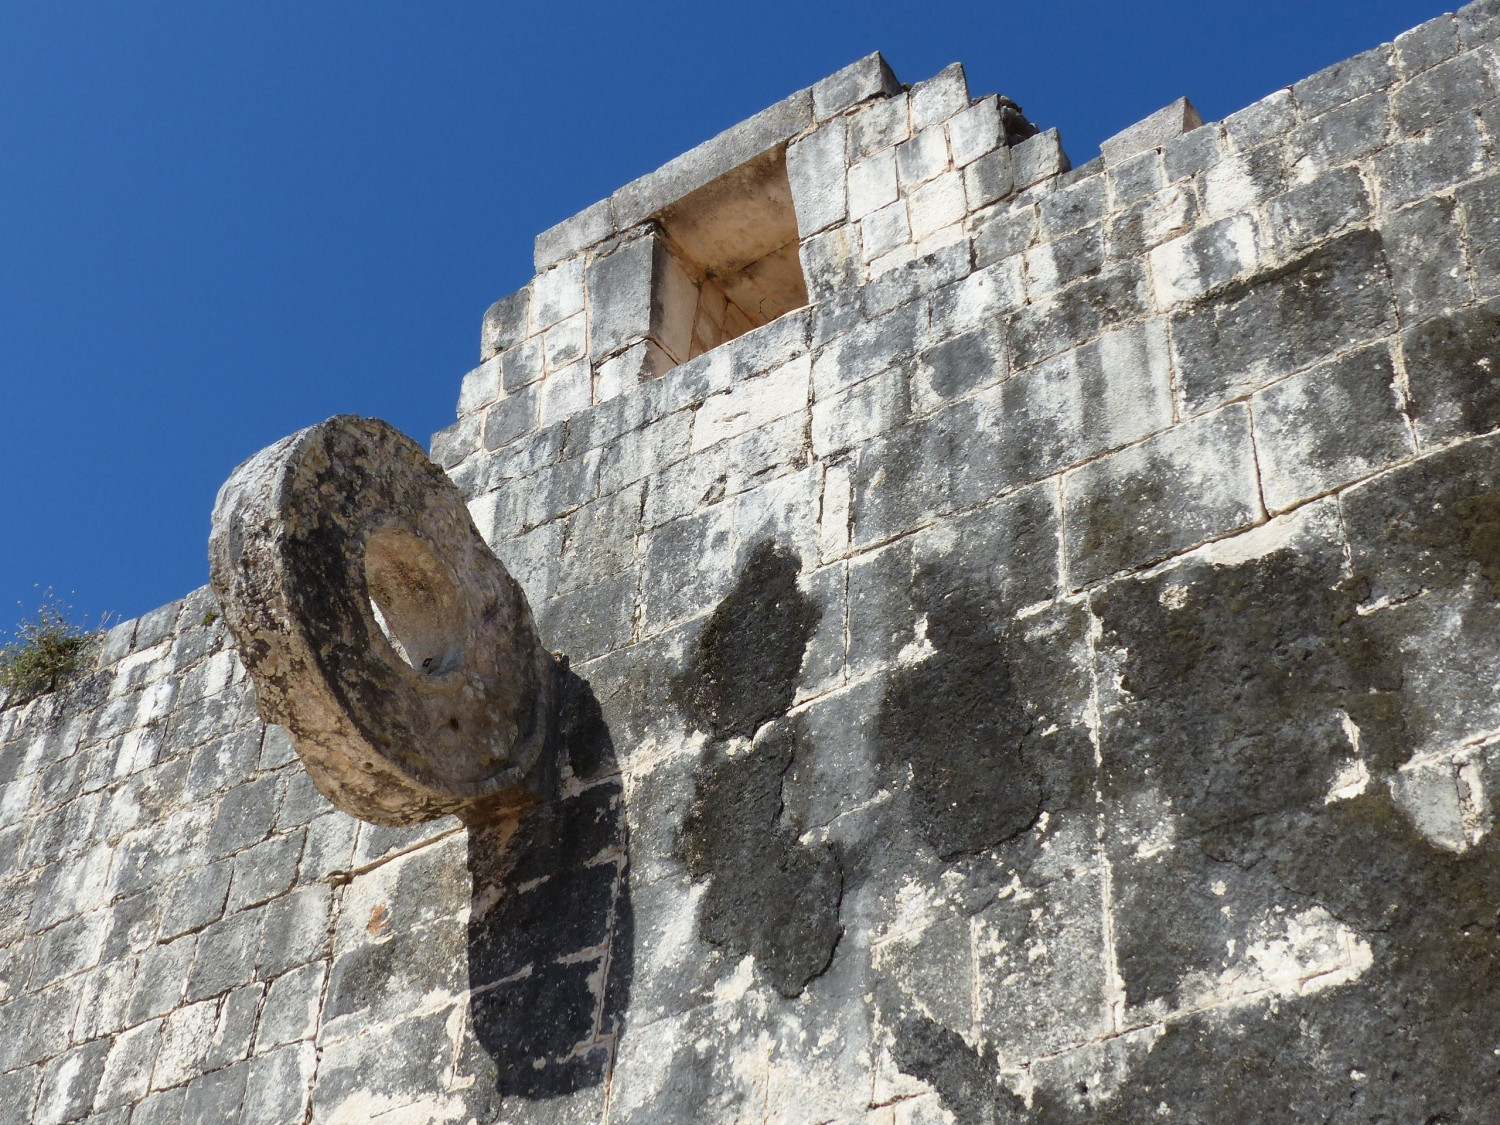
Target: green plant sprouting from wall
(48,647)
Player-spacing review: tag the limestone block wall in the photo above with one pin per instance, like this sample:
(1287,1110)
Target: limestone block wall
(1049,677)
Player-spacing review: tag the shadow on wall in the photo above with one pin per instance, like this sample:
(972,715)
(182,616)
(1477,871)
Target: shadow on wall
(551,931)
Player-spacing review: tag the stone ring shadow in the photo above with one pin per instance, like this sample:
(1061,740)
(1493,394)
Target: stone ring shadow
(551,931)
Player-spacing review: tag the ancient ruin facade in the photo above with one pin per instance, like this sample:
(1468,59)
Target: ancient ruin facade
(1026,650)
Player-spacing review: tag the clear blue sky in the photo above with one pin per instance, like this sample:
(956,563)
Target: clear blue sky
(220,223)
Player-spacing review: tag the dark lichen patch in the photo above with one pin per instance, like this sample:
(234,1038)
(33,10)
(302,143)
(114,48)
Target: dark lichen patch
(1237,678)
(768,895)
(1429,525)
(1453,363)
(1238,681)
(745,667)
(966,1079)
(953,728)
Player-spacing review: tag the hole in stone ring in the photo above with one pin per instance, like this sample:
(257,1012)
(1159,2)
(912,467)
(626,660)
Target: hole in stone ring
(415,602)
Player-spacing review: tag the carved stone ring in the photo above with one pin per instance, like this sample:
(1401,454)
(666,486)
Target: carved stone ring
(378,626)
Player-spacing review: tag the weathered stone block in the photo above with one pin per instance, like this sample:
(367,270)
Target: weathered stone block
(1038,158)
(1264,327)
(1450,363)
(1327,426)
(1424,47)
(1344,81)
(1194,483)
(921,158)
(1078,314)
(869,77)
(577,232)
(1208,259)
(1077,205)
(1426,252)
(1445,155)
(1272,116)
(1151,132)
(1185,156)
(939,97)
(879,125)
(504,324)
(976,131)
(1314,211)
(1442,92)
(815,166)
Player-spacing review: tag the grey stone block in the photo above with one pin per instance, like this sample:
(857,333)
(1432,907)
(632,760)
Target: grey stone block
(1425,46)
(879,125)
(588,622)
(1267,326)
(1078,314)
(1327,426)
(976,131)
(1344,81)
(593,224)
(1191,484)
(127,1071)
(451,445)
(235,1027)
(1450,365)
(990,178)
(1478,22)
(196,899)
(1425,248)
(1135,178)
(215,1097)
(225,955)
(504,324)
(1481,217)
(1077,405)
(265,871)
(291,1008)
(69,1083)
(245,815)
(156,626)
(1056,264)
(1185,156)
(1077,205)
(1445,155)
(939,97)
(641,198)
(1003,233)
(1346,134)
(161,1108)
(278,1086)
(815,166)
(159,979)
(1207,259)
(1443,92)
(1151,132)
(1312,212)
(1272,116)
(1038,158)
(866,78)
(296,928)
(522,365)
(510,419)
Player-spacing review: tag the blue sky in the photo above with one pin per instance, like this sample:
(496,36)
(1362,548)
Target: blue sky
(220,223)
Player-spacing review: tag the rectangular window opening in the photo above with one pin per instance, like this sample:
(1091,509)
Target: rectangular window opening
(732,261)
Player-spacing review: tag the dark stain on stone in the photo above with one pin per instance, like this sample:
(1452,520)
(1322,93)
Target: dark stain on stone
(550,913)
(964,1078)
(744,671)
(1236,688)
(768,895)
(952,730)
(1453,363)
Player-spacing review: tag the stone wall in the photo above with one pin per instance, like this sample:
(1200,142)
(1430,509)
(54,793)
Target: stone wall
(1051,677)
